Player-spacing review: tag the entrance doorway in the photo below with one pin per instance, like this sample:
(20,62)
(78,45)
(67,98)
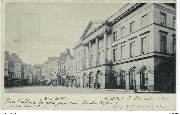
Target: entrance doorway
(144,79)
(131,79)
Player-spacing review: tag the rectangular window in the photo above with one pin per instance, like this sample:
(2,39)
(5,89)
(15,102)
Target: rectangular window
(118,80)
(114,54)
(82,65)
(79,65)
(123,52)
(92,61)
(132,47)
(163,19)
(115,36)
(79,55)
(76,66)
(123,78)
(174,44)
(163,44)
(132,27)
(82,53)
(145,21)
(122,32)
(144,45)
(99,58)
(174,22)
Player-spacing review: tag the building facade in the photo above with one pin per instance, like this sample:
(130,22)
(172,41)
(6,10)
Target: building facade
(65,74)
(12,69)
(37,74)
(49,71)
(29,74)
(133,49)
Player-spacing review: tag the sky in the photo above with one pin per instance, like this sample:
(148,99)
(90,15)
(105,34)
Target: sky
(44,29)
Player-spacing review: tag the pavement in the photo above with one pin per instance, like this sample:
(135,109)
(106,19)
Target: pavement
(64,90)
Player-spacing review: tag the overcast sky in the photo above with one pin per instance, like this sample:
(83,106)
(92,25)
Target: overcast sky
(46,29)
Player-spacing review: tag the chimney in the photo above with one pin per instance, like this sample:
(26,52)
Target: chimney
(68,51)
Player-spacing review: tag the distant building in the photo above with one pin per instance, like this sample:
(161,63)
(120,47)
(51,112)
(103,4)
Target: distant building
(37,74)
(50,70)
(29,74)
(6,67)
(64,71)
(12,70)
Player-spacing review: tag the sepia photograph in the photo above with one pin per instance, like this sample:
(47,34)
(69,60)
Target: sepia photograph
(89,48)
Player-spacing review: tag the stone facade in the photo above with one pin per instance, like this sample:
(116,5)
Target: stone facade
(128,49)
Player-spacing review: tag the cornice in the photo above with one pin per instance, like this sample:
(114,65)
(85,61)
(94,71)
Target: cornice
(127,12)
(164,9)
(123,15)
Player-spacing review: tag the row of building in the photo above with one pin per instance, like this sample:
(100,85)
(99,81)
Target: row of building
(135,48)
(18,73)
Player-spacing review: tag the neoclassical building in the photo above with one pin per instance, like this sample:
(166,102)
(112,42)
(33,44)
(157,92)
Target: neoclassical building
(134,48)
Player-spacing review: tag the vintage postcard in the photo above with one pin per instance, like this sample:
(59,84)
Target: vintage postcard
(88,55)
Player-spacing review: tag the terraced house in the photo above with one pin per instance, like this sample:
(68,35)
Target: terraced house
(132,49)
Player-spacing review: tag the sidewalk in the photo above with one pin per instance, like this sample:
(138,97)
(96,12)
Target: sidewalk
(139,91)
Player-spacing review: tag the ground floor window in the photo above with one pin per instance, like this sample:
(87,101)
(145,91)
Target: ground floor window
(91,80)
(131,79)
(119,80)
(144,77)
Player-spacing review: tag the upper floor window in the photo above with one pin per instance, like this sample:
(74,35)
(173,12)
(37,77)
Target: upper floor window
(123,51)
(163,18)
(76,66)
(82,53)
(82,64)
(144,45)
(122,32)
(174,22)
(114,36)
(163,44)
(115,54)
(145,21)
(174,44)
(132,49)
(79,55)
(92,61)
(132,27)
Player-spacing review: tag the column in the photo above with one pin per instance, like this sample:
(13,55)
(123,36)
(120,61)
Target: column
(84,57)
(105,46)
(110,48)
(97,51)
(89,54)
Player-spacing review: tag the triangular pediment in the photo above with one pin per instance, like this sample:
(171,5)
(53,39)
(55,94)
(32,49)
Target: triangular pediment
(92,25)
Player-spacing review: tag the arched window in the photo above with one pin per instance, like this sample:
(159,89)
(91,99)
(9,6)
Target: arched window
(144,77)
(131,77)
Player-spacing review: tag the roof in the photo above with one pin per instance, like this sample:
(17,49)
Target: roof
(92,25)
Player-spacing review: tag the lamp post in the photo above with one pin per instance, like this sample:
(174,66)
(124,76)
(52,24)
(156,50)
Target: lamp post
(135,90)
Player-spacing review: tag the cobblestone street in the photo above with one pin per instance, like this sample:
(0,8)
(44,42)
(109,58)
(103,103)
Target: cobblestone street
(65,90)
